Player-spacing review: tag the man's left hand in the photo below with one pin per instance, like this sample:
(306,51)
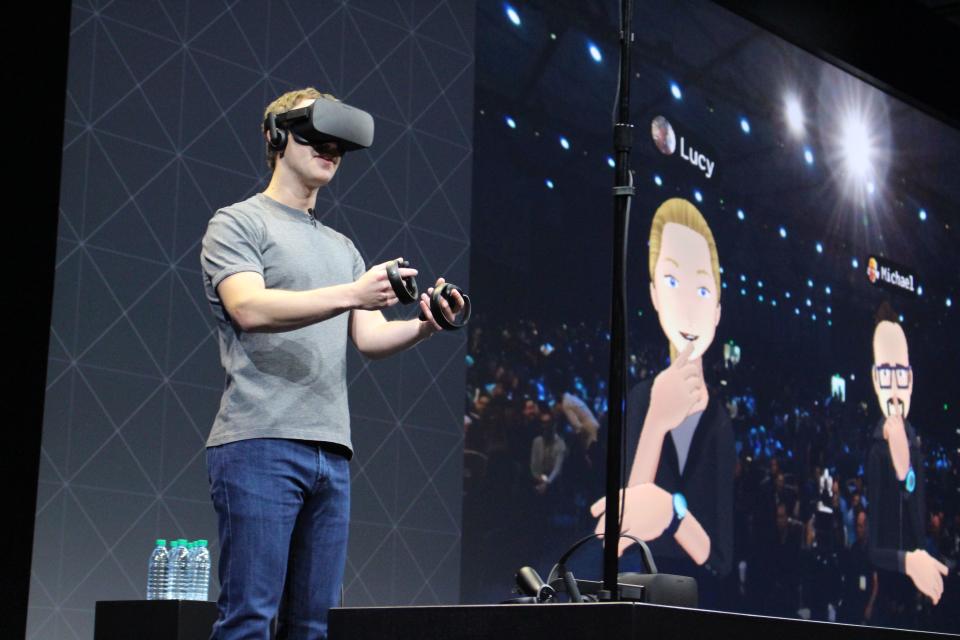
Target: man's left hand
(449,312)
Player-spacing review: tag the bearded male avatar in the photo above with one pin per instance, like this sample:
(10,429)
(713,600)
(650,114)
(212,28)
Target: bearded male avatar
(895,475)
(679,495)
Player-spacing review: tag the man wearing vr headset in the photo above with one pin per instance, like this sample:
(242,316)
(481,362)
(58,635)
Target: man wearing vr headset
(286,292)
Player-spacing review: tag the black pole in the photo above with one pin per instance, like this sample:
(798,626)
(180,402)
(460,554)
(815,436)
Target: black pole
(622,192)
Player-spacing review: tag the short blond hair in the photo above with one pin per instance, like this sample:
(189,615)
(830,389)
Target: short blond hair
(682,212)
(284,103)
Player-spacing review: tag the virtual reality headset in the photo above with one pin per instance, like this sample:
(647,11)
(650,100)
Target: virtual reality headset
(323,121)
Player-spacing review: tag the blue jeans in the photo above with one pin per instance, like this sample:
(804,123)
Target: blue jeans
(283,508)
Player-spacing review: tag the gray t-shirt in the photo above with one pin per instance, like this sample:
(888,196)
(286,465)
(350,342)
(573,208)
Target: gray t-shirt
(291,384)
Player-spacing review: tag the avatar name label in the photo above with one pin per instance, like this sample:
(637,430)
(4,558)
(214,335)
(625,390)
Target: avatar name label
(696,158)
(890,275)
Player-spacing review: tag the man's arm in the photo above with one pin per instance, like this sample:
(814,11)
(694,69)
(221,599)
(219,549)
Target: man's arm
(255,308)
(376,337)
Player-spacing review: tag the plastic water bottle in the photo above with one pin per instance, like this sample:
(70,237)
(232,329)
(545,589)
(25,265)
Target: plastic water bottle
(190,580)
(178,570)
(201,572)
(158,572)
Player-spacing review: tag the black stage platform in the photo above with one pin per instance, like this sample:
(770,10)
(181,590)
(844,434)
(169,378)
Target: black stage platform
(600,621)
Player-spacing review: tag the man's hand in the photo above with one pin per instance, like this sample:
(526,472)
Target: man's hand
(372,291)
(448,312)
(647,511)
(895,434)
(926,572)
(677,392)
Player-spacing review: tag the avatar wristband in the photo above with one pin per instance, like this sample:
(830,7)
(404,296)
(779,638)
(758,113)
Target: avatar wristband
(910,482)
(679,512)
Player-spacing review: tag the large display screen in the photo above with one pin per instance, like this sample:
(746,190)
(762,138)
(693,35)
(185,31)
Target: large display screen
(793,290)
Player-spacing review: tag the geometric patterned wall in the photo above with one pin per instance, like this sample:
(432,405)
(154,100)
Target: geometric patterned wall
(163,105)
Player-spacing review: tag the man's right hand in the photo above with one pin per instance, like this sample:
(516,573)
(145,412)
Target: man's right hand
(926,572)
(372,291)
(677,392)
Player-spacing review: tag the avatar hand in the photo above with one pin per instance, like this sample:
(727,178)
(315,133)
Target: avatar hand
(678,391)
(647,511)
(926,572)
(895,434)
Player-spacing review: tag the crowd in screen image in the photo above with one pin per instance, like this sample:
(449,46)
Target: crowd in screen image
(778,501)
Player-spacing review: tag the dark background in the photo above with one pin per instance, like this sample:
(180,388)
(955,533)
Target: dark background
(903,46)
(161,123)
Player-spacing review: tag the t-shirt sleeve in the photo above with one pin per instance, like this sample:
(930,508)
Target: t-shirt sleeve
(359,268)
(230,245)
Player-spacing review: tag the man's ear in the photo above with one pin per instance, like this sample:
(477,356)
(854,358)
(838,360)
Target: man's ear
(653,297)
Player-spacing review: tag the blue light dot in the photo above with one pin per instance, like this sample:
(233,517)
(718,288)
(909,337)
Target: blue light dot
(611,162)
(657,181)
(724,284)
(796,311)
(808,155)
(920,290)
(923,215)
(512,15)
(819,248)
(786,295)
(675,90)
(760,298)
(510,122)
(744,125)
(813,317)
(564,142)
(697,195)
(828,290)
(900,317)
(760,284)
(829,323)
(549,183)
(743,278)
(855,263)
(809,282)
(773,302)
(740,214)
(783,232)
(743,292)
(949,302)
(829,311)
(721,270)
(595,52)
(809,303)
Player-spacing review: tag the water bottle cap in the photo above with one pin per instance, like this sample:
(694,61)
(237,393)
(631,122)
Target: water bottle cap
(161,542)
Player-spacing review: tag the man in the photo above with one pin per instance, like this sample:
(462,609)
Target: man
(286,292)
(895,472)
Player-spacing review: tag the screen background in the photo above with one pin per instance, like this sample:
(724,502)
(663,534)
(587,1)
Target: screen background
(541,263)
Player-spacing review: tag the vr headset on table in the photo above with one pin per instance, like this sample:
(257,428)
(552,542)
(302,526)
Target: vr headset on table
(321,122)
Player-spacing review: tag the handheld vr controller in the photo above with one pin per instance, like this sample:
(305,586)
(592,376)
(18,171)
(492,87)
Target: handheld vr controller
(407,291)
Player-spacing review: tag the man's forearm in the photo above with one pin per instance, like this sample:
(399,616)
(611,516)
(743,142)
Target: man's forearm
(385,338)
(275,310)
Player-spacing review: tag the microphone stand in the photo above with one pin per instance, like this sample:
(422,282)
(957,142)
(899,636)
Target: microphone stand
(622,192)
